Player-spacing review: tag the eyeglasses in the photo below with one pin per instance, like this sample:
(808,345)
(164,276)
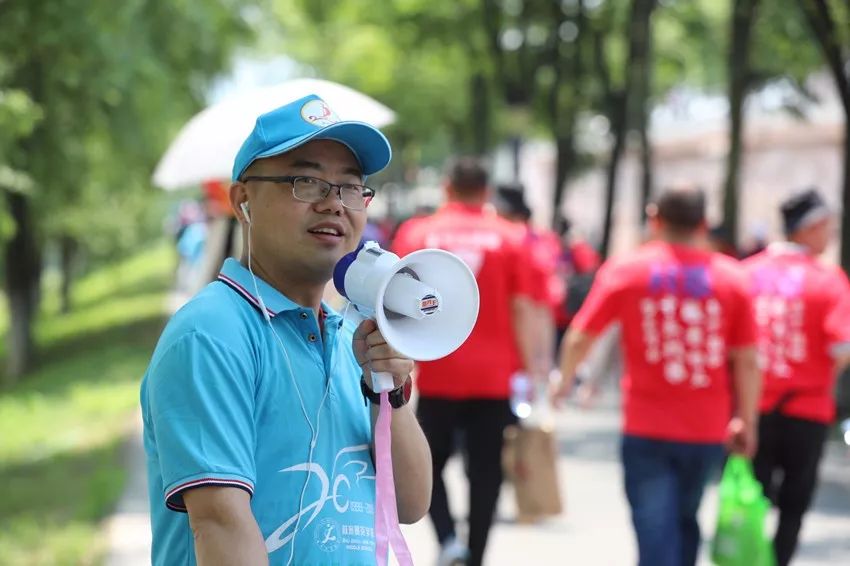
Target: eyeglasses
(313,190)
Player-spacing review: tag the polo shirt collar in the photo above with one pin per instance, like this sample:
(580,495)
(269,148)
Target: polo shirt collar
(455,206)
(237,277)
(787,248)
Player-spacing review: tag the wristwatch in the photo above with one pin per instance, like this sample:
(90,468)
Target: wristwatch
(398,397)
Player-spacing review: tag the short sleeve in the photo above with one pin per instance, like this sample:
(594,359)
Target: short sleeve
(201,405)
(837,319)
(525,280)
(602,304)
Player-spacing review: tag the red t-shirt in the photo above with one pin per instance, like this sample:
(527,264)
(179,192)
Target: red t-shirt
(493,249)
(540,264)
(803,314)
(545,247)
(681,309)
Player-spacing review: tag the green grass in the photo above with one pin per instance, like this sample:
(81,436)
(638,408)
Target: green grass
(63,426)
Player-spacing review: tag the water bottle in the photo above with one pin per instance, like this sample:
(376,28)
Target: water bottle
(522,391)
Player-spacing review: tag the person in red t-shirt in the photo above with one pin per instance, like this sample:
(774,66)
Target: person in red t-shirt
(685,314)
(544,256)
(575,269)
(468,390)
(803,314)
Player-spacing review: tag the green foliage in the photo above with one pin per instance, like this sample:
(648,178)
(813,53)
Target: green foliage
(690,45)
(91,98)
(60,452)
(409,54)
(782,44)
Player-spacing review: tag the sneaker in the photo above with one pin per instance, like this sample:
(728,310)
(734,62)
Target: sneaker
(453,553)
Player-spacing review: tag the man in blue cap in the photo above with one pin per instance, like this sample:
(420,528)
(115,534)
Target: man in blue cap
(257,432)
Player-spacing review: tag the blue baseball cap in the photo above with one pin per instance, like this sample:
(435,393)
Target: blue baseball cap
(307,119)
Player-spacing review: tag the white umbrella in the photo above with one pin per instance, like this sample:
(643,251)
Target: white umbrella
(206,146)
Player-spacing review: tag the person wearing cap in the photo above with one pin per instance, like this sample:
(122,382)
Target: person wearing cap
(256,427)
(468,391)
(686,324)
(803,315)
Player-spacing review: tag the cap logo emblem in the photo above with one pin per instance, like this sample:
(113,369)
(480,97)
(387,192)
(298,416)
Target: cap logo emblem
(317,113)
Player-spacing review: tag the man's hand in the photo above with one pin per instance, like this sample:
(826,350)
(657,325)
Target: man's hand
(374,354)
(587,393)
(559,392)
(741,437)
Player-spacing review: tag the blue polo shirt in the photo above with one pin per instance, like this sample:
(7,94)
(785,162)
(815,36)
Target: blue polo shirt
(220,407)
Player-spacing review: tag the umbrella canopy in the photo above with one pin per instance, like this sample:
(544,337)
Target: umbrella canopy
(206,146)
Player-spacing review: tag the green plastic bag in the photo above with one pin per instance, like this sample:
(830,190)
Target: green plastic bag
(740,538)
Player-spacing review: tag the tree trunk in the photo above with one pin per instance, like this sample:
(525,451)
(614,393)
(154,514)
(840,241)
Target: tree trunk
(739,78)
(823,27)
(646,170)
(618,127)
(621,115)
(564,159)
(22,274)
(68,254)
(639,83)
(516,156)
(480,114)
(563,109)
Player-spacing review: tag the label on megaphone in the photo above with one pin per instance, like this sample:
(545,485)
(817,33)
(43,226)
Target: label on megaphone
(410,297)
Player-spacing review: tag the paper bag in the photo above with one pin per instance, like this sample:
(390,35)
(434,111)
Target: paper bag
(530,461)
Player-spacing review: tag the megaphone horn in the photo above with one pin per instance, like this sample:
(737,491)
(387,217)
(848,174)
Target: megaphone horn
(425,304)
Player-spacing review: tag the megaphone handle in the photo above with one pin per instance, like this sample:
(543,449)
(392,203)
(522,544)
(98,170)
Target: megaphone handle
(382,381)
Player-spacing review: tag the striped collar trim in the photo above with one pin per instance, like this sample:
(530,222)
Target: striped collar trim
(239,279)
(245,293)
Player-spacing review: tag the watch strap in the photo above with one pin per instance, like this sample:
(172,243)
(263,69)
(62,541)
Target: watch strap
(398,397)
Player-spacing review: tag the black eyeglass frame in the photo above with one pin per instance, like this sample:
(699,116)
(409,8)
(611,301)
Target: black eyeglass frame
(367,193)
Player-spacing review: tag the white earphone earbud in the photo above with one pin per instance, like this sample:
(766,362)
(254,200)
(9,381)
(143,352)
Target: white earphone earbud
(244,207)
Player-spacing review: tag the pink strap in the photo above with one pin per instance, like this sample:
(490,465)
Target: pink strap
(387,531)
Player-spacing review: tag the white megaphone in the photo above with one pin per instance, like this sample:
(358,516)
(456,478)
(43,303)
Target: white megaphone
(425,304)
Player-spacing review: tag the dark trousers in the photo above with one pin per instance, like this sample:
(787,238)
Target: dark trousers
(786,464)
(664,485)
(483,422)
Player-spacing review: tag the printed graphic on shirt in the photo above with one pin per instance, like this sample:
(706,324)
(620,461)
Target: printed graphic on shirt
(780,311)
(470,246)
(342,525)
(681,325)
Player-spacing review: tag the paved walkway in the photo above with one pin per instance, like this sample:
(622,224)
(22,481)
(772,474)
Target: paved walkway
(594,530)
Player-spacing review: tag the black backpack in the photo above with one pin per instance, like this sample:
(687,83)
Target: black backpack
(578,287)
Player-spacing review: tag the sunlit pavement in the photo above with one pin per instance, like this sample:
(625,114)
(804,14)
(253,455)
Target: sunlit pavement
(594,530)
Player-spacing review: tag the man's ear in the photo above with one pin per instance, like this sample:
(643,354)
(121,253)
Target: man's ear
(238,195)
